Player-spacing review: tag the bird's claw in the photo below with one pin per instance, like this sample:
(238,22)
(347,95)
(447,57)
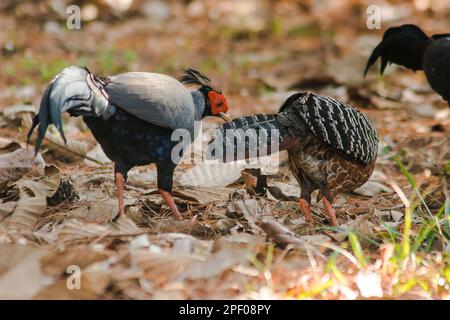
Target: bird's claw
(177,215)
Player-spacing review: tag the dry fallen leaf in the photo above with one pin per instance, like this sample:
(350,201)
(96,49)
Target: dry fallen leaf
(32,201)
(56,263)
(99,211)
(124,227)
(279,233)
(214,264)
(211,175)
(16,164)
(26,213)
(372,188)
(74,229)
(160,267)
(223,225)
(8,145)
(21,276)
(284,191)
(98,154)
(6,208)
(14,112)
(249,209)
(46,185)
(203,195)
(362,225)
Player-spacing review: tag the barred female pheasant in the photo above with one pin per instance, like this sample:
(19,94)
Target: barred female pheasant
(332,146)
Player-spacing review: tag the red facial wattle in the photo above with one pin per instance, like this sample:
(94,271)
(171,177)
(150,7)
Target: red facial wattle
(218,102)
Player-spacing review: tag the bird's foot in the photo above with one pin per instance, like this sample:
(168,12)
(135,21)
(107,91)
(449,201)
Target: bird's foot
(305,208)
(120,184)
(330,212)
(190,223)
(119,215)
(176,215)
(173,208)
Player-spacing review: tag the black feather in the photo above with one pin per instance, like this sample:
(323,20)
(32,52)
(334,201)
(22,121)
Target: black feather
(440,36)
(44,119)
(404,45)
(192,76)
(437,66)
(33,126)
(199,75)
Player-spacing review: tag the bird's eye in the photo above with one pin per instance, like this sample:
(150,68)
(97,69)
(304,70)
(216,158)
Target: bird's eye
(219,103)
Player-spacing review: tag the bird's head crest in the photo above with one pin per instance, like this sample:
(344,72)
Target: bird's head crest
(217,101)
(192,76)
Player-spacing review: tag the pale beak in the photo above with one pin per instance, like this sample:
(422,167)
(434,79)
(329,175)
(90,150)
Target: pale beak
(224,116)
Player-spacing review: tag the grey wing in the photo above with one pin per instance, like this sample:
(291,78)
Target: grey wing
(154,98)
(341,126)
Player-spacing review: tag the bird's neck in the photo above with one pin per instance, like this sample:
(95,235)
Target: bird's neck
(200,104)
(421,48)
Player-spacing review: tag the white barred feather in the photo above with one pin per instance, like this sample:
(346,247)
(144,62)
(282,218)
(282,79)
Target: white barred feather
(340,125)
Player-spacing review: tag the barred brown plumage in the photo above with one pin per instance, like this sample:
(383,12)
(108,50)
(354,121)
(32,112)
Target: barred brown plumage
(332,146)
(338,124)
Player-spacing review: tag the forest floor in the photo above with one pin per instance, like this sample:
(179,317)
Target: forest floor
(58,210)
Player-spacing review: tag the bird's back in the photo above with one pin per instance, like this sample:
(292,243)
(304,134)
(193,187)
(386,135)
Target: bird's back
(339,125)
(437,66)
(155,98)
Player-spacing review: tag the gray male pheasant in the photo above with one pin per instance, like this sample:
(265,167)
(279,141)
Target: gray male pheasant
(132,116)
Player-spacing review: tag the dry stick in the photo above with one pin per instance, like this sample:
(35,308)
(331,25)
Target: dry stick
(27,123)
(344,252)
(311,259)
(148,208)
(63,146)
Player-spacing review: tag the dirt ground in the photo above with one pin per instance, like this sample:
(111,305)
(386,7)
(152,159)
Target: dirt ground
(58,210)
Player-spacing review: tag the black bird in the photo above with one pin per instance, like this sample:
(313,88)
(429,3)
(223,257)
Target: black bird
(410,47)
(332,146)
(132,116)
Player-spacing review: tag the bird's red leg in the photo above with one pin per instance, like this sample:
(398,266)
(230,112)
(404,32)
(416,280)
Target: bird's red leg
(168,199)
(330,211)
(120,184)
(304,206)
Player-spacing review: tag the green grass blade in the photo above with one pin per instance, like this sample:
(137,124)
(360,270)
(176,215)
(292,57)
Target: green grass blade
(405,246)
(406,173)
(356,247)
